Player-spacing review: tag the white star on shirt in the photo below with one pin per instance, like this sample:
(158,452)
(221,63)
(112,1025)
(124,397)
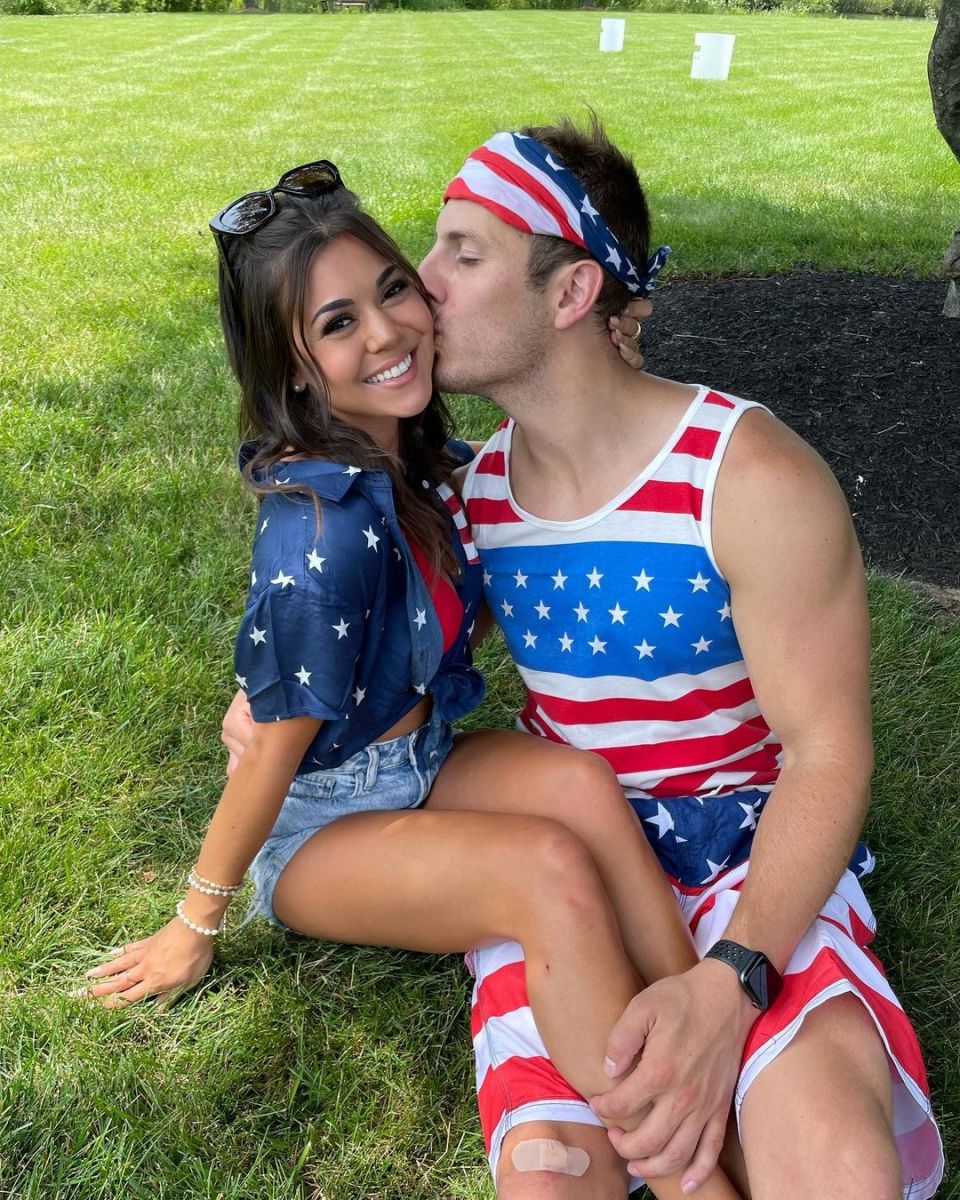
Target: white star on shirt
(597,646)
(315,561)
(341,628)
(421,618)
(359,695)
(670,617)
(530,640)
(253,578)
(487,578)
(725,611)
(594,576)
(618,614)
(587,208)
(699,584)
(241,680)
(266,522)
(543,610)
(565,643)
(303,675)
(715,869)
(646,650)
(258,636)
(555,165)
(643,580)
(521,579)
(421,689)
(352,471)
(869,862)
(663,821)
(582,613)
(559,580)
(702,646)
(507,609)
(750,820)
(371,537)
(396,551)
(284,580)
(613,257)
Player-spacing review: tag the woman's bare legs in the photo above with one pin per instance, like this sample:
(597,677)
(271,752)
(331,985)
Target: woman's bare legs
(446,881)
(512,772)
(443,881)
(517,773)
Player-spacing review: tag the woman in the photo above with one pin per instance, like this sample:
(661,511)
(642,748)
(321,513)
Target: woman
(354,657)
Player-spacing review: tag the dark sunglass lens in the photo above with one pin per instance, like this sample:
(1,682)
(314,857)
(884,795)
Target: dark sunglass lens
(314,178)
(247,213)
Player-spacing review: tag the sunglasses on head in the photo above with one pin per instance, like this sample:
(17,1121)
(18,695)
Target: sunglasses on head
(256,209)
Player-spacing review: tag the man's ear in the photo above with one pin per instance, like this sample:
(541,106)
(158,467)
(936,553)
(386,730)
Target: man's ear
(575,289)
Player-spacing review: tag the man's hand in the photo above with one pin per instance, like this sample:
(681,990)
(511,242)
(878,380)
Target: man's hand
(689,1031)
(173,959)
(237,729)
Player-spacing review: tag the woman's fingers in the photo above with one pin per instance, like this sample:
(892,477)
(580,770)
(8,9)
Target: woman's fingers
(139,991)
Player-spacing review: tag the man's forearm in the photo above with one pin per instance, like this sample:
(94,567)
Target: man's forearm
(803,843)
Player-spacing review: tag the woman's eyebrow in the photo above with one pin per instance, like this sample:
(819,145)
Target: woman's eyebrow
(346,301)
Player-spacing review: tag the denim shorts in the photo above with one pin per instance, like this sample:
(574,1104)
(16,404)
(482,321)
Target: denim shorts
(384,776)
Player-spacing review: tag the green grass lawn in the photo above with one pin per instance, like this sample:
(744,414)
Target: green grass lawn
(299,1069)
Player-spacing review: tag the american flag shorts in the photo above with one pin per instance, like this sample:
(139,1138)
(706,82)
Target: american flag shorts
(517,1083)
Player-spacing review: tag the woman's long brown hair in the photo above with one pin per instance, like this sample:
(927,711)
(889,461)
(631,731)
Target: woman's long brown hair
(259,310)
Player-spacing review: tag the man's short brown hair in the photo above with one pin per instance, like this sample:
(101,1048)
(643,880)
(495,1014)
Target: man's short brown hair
(610,180)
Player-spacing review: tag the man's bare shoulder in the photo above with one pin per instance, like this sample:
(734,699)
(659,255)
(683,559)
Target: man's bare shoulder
(775,495)
(764,455)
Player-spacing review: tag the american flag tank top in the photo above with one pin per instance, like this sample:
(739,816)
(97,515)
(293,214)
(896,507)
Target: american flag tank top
(620,622)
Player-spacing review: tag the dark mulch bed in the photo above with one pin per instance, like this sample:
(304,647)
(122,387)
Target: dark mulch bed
(862,366)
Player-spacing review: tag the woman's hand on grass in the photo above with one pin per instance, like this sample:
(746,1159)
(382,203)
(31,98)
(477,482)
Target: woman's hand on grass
(165,964)
(636,312)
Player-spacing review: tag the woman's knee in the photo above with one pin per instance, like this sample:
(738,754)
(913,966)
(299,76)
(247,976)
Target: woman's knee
(551,1160)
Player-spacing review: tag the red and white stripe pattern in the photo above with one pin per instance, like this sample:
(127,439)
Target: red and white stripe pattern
(517,1083)
(456,510)
(620,623)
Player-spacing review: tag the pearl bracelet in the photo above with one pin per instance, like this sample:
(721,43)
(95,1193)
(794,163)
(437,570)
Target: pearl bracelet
(208,887)
(196,928)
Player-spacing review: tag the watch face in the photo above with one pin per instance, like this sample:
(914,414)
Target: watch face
(762,982)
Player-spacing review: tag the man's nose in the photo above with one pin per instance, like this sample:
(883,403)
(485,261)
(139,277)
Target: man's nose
(431,276)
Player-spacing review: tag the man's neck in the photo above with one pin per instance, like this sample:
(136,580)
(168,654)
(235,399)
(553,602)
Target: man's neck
(585,426)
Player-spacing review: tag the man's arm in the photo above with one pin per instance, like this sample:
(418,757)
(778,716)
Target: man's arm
(784,540)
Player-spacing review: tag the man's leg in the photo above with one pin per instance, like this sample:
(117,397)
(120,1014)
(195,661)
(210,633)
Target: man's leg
(817,1121)
(604,1179)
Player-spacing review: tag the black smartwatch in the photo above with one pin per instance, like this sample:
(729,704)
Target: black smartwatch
(758,977)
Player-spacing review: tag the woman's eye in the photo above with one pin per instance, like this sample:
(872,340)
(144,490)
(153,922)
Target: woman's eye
(336,324)
(396,288)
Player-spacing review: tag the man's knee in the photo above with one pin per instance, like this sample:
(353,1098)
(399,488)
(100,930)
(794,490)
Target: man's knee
(545,1160)
(818,1120)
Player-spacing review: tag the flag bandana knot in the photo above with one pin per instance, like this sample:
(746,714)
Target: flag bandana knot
(519,181)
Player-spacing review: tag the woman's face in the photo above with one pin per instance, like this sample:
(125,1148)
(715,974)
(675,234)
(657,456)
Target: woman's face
(371,334)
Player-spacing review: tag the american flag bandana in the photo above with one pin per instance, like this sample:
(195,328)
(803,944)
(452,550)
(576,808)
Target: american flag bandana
(519,181)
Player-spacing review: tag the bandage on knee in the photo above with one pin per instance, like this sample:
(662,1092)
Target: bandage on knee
(547,1154)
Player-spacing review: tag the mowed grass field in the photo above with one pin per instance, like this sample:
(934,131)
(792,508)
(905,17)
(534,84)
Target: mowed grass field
(301,1069)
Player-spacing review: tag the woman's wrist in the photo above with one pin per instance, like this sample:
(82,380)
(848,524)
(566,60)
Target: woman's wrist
(207,911)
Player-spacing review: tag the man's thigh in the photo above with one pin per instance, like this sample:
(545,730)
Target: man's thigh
(817,1121)
(604,1179)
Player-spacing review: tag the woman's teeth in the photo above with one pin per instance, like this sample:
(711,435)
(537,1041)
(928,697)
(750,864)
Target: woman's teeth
(401,368)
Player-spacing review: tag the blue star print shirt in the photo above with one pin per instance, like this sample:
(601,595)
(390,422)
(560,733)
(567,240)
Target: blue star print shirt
(339,624)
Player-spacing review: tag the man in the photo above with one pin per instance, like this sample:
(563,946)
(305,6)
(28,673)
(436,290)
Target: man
(522,303)
(626,524)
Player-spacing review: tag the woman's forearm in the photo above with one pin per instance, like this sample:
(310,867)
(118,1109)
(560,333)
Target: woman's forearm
(247,811)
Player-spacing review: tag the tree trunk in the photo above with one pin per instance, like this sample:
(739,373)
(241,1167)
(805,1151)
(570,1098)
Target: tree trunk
(943,71)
